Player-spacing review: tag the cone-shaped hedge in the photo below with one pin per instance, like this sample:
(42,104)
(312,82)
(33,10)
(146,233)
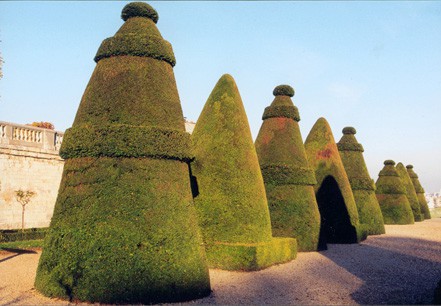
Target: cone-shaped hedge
(410,192)
(339,216)
(391,195)
(288,178)
(363,187)
(125,229)
(231,199)
(419,191)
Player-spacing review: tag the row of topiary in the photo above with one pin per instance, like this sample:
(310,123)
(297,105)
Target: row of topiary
(144,209)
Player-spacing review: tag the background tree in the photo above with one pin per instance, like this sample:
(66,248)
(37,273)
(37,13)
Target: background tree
(23,197)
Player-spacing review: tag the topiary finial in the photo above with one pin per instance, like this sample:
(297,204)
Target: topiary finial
(284,90)
(389,162)
(139,9)
(409,166)
(349,130)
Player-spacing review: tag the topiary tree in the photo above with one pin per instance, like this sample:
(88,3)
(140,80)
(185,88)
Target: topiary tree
(410,192)
(363,187)
(231,199)
(338,211)
(124,228)
(288,178)
(419,192)
(23,197)
(391,195)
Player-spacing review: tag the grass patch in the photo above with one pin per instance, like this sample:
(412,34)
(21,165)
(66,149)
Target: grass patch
(435,212)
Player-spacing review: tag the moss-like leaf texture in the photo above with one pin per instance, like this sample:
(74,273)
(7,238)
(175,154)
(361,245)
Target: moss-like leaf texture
(419,191)
(284,90)
(288,178)
(139,9)
(391,195)
(363,187)
(336,201)
(231,204)
(410,192)
(137,37)
(124,228)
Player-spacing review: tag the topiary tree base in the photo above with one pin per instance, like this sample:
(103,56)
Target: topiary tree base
(124,231)
(294,213)
(251,257)
(423,204)
(370,214)
(394,209)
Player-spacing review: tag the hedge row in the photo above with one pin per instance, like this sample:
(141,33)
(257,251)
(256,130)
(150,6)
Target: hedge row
(288,175)
(18,235)
(284,111)
(126,141)
(147,46)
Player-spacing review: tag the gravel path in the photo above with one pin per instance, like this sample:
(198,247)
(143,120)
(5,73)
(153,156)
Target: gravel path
(401,267)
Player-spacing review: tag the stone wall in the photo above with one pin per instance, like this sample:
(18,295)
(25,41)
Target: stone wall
(29,160)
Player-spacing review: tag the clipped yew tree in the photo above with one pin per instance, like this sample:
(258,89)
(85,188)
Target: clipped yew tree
(124,228)
(363,187)
(289,181)
(391,195)
(338,211)
(410,192)
(419,192)
(230,198)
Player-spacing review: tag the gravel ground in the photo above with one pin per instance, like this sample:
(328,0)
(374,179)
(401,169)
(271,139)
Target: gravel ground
(401,267)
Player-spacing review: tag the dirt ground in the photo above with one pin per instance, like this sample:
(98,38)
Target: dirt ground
(400,267)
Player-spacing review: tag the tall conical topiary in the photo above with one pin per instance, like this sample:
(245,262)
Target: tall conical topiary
(419,192)
(288,178)
(339,216)
(230,196)
(124,229)
(410,192)
(391,195)
(363,187)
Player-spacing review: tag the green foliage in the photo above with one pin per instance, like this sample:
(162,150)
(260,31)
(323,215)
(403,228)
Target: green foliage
(124,228)
(410,192)
(123,231)
(324,158)
(137,37)
(281,111)
(363,187)
(27,234)
(231,205)
(391,195)
(419,191)
(126,141)
(22,245)
(349,130)
(139,9)
(251,257)
(389,162)
(288,177)
(284,90)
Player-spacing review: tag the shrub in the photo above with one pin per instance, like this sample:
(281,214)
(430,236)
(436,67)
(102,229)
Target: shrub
(284,90)
(232,206)
(410,192)
(419,191)
(139,9)
(391,195)
(19,235)
(288,178)
(362,185)
(124,228)
(333,190)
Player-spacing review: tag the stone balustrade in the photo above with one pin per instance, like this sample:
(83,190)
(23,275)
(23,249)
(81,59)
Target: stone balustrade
(17,135)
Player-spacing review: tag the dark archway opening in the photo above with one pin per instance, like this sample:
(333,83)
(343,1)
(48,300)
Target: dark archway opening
(335,225)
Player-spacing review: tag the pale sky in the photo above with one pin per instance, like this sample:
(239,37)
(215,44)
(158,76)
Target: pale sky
(372,65)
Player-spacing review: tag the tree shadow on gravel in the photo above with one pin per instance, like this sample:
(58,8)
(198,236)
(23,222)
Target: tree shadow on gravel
(394,270)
